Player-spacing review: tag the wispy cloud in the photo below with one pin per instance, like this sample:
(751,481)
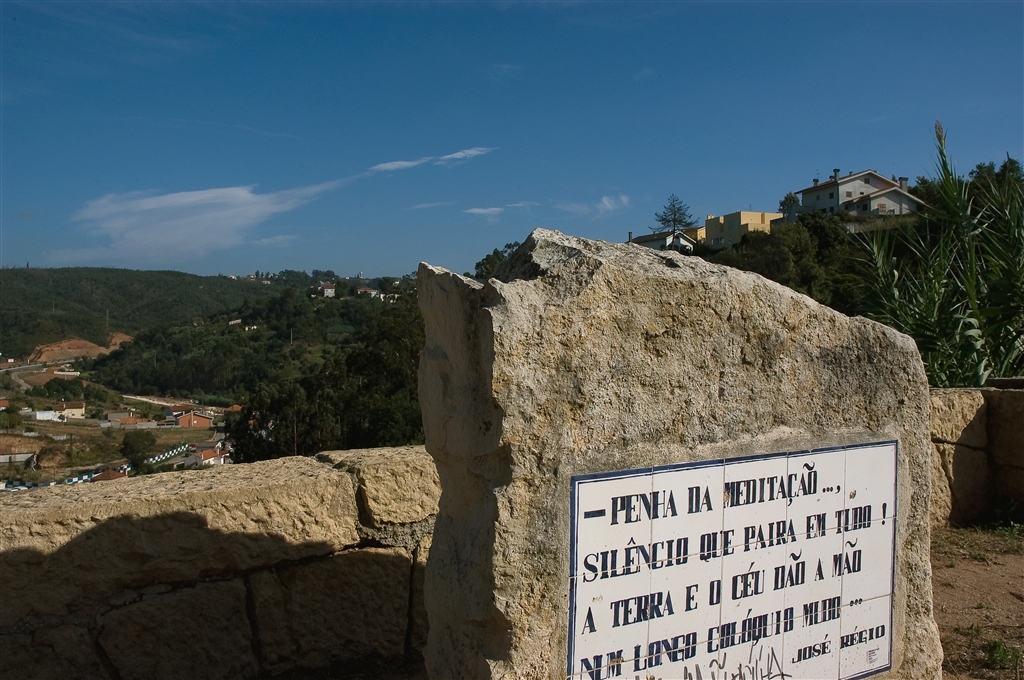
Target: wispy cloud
(181,225)
(400,165)
(486,212)
(521,204)
(191,224)
(281,239)
(464,154)
(572,208)
(609,204)
(423,206)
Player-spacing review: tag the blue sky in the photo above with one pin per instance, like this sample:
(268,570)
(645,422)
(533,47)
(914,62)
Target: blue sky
(233,137)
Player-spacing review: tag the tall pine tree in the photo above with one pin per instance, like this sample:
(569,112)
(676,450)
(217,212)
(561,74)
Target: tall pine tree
(676,215)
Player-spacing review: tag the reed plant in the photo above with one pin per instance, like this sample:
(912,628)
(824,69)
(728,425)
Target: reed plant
(954,281)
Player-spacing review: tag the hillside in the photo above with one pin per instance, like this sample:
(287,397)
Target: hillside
(42,306)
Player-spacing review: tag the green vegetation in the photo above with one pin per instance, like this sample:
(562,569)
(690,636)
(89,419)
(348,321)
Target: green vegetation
(486,267)
(954,281)
(218,362)
(361,395)
(136,446)
(999,655)
(814,256)
(39,306)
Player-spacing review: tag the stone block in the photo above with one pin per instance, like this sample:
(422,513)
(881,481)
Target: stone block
(942,498)
(193,632)
(64,652)
(958,417)
(968,482)
(70,549)
(585,357)
(340,608)
(397,485)
(419,619)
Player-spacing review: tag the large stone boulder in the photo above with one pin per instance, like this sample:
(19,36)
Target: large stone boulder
(586,357)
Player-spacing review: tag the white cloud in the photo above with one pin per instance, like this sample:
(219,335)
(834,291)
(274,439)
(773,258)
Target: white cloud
(521,204)
(275,240)
(185,224)
(609,204)
(421,206)
(573,208)
(464,154)
(399,165)
(487,212)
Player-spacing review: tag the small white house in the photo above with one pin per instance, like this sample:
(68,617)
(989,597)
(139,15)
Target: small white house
(674,239)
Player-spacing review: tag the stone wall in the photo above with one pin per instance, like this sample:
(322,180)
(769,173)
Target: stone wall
(977,454)
(234,572)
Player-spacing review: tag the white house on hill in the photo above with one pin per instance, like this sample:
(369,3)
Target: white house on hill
(674,239)
(862,193)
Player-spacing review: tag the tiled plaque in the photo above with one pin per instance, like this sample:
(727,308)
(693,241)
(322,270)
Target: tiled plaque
(773,566)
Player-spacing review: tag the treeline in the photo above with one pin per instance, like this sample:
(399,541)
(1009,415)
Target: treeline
(227,355)
(40,306)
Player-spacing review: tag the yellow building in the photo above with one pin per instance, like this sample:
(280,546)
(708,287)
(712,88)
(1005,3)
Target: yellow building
(727,230)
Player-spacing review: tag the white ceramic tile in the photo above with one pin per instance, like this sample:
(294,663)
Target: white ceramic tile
(811,650)
(693,517)
(871,480)
(866,634)
(692,619)
(607,621)
(867,561)
(610,513)
(818,480)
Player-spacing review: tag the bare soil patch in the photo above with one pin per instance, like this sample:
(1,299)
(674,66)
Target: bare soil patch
(978,592)
(76,348)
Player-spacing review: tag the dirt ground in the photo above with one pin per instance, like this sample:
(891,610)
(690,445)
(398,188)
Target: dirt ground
(76,348)
(978,591)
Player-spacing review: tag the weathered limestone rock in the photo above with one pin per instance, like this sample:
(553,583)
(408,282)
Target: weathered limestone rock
(418,616)
(396,485)
(62,652)
(198,632)
(70,549)
(958,417)
(968,482)
(942,498)
(586,357)
(345,607)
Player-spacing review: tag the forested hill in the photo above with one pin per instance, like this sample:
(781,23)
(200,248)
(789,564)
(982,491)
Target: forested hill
(39,306)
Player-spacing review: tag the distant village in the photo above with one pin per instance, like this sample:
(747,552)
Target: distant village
(867,193)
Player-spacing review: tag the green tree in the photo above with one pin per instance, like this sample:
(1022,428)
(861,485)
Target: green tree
(676,215)
(788,203)
(486,267)
(136,446)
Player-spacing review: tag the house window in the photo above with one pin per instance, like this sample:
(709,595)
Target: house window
(849,194)
(817,197)
(717,242)
(867,180)
(830,194)
(831,211)
(881,207)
